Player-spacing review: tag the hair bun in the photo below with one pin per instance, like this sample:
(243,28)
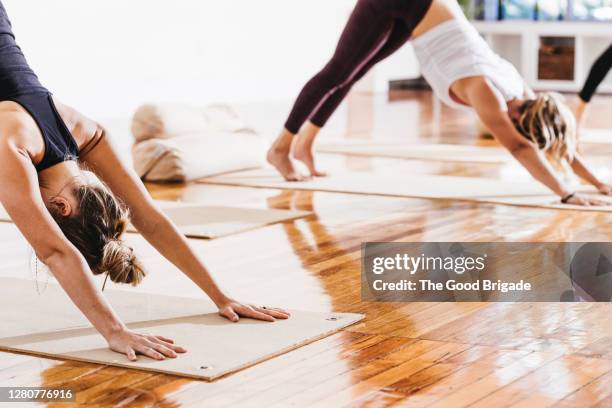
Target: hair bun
(120,263)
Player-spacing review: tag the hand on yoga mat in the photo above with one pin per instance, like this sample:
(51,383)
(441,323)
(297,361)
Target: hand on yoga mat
(233,310)
(586,201)
(605,189)
(130,343)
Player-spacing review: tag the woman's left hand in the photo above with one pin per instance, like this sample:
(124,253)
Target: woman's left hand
(605,189)
(233,310)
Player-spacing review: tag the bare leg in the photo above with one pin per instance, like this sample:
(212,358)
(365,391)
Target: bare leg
(278,156)
(302,149)
(580,111)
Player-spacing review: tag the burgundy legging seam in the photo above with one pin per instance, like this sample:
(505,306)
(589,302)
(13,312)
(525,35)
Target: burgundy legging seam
(354,73)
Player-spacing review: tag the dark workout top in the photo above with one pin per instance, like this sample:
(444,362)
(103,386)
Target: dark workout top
(18,83)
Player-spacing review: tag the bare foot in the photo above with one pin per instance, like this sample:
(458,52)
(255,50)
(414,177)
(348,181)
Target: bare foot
(281,161)
(302,151)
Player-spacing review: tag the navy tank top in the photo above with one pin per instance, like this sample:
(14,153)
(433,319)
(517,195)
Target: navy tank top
(19,83)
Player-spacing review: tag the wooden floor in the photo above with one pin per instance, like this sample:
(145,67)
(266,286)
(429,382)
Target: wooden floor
(403,354)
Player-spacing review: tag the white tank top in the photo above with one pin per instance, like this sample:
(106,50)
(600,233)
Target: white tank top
(454,50)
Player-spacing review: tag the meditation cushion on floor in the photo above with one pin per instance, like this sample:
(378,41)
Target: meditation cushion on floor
(190,157)
(181,143)
(166,121)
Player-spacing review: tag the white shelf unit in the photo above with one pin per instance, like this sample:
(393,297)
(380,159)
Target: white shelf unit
(519,42)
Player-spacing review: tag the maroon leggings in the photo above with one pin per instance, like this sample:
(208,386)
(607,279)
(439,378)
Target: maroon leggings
(375,30)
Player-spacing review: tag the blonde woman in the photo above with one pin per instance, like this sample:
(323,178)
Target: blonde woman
(463,72)
(74,221)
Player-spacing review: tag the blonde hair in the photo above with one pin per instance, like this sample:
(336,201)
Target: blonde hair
(550,124)
(95,229)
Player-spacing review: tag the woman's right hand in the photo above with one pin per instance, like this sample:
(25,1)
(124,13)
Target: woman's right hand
(130,343)
(587,201)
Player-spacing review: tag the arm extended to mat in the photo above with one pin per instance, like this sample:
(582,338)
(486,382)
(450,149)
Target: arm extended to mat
(21,197)
(582,170)
(486,104)
(160,232)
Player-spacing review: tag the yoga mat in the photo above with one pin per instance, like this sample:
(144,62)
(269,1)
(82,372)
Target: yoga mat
(438,152)
(48,324)
(528,194)
(596,136)
(203,221)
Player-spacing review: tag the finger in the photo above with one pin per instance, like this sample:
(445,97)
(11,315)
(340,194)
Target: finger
(271,312)
(130,353)
(148,351)
(278,309)
(174,347)
(160,348)
(229,314)
(167,340)
(164,341)
(254,314)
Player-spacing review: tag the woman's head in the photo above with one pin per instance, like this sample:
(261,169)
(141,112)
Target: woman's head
(549,123)
(94,226)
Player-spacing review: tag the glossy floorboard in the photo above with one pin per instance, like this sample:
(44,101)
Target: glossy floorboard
(415,355)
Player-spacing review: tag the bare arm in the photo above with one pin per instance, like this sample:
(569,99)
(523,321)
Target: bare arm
(21,198)
(159,230)
(582,170)
(20,194)
(483,99)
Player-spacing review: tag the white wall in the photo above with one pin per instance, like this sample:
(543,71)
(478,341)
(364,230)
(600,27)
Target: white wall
(108,56)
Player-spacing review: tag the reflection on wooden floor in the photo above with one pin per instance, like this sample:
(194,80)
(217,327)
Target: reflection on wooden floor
(403,354)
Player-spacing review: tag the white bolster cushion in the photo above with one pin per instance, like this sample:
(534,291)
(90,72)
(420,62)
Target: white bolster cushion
(165,121)
(193,156)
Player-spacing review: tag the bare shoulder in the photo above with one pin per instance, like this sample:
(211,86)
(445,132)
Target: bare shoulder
(82,128)
(472,83)
(17,128)
(466,89)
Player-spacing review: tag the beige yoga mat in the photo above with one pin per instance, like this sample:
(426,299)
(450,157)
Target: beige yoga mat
(438,152)
(596,136)
(204,221)
(48,324)
(528,194)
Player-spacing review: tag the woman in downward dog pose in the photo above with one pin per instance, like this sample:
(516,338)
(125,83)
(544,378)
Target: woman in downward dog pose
(73,221)
(462,70)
